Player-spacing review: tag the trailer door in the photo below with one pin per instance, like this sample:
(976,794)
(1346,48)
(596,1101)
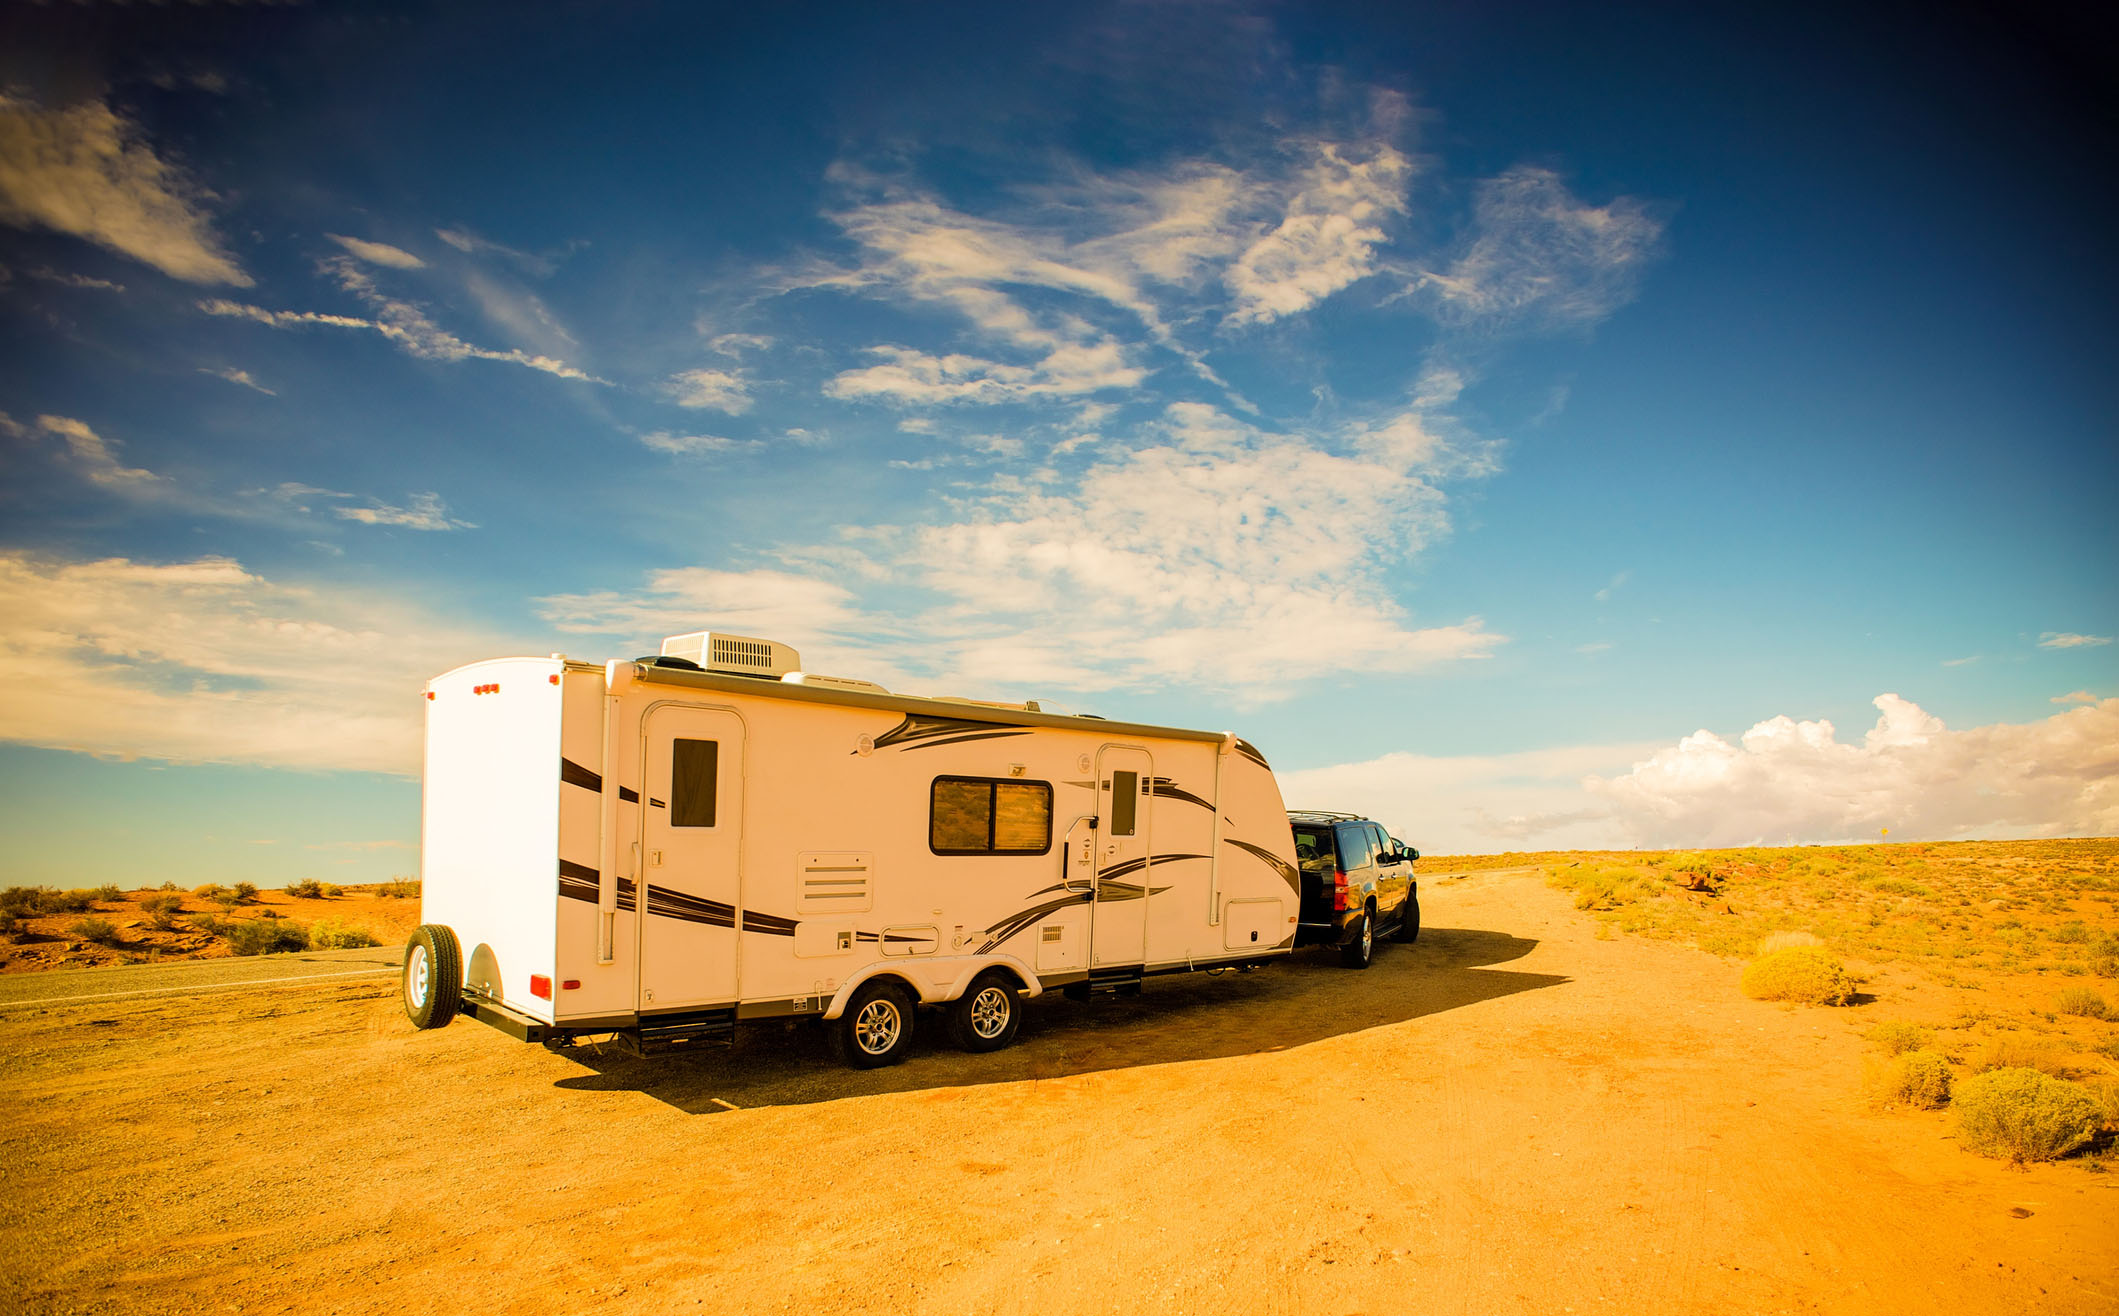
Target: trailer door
(691,821)
(1119,932)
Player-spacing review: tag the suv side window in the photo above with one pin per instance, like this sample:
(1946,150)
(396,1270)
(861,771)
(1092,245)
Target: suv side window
(1356,848)
(1382,842)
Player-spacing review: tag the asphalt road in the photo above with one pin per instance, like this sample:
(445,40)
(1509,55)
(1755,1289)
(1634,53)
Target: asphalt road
(190,977)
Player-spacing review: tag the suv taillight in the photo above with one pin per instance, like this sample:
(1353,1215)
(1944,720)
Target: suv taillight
(1339,891)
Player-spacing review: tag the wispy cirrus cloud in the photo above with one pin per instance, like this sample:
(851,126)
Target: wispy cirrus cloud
(85,171)
(235,376)
(711,390)
(1537,257)
(86,452)
(425,511)
(2070,640)
(378,253)
(203,661)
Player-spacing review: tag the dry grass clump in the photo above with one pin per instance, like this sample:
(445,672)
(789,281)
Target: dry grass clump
(1897,1038)
(1805,975)
(99,930)
(2025,1115)
(311,889)
(337,934)
(399,888)
(261,936)
(2013,1051)
(36,901)
(2087,1002)
(1786,940)
(1919,1080)
(162,912)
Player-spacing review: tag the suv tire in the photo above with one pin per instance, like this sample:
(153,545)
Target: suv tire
(1361,951)
(1408,919)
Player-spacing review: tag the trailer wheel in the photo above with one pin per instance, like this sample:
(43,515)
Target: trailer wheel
(433,976)
(1357,953)
(1409,919)
(988,1014)
(876,1029)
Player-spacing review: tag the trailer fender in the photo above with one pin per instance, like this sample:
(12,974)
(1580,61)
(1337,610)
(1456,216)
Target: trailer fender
(934,979)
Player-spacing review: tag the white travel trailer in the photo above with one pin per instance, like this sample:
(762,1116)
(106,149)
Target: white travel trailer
(668,847)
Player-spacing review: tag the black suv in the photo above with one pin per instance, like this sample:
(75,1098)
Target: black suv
(1356,877)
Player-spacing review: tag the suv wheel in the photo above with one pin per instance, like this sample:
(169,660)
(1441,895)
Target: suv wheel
(1408,919)
(1357,953)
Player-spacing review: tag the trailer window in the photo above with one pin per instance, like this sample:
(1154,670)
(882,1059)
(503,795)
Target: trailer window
(1125,803)
(694,777)
(988,815)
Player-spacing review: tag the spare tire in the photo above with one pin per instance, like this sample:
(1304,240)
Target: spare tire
(433,976)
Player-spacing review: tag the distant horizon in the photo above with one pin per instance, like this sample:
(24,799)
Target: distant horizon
(1546,429)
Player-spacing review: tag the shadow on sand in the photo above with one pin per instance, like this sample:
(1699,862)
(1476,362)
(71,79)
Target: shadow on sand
(1303,999)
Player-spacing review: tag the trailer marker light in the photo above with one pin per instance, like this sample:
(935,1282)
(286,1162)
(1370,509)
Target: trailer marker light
(540,987)
(571,985)
(553,678)
(430,694)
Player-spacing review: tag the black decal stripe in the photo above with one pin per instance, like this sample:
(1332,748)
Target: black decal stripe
(1135,865)
(579,882)
(1250,751)
(1016,923)
(1281,866)
(960,740)
(1170,790)
(915,727)
(573,774)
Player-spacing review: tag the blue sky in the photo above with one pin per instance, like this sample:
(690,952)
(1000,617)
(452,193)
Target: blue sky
(1467,407)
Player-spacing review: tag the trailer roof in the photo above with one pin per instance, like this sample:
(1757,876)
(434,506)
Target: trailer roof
(962,709)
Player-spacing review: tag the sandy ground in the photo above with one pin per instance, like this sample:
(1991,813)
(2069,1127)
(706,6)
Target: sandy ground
(1511,1116)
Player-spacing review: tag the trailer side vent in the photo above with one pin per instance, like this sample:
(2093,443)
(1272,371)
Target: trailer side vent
(836,883)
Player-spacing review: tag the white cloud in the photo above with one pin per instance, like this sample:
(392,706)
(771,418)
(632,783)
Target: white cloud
(711,390)
(2075,697)
(1960,662)
(1618,581)
(1910,773)
(66,280)
(203,661)
(919,378)
(424,512)
(1213,554)
(91,456)
(1328,237)
(471,244)
(738,344)
(692,445)
(235,376)
(379,253)
(84,171)
(399,321)
(1540,258)
(2069,640)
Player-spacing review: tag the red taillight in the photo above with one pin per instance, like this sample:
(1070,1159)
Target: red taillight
(540,987)
(571,984)
(1339,891)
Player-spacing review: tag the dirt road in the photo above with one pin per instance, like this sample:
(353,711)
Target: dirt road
(1512,1116)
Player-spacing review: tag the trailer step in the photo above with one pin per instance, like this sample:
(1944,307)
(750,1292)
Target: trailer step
(663,1033)
(1106,982)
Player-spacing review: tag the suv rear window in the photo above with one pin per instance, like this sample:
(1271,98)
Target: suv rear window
(1314,843)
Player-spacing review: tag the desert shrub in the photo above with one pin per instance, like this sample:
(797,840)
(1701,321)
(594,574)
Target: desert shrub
(1917,1079)
(264,936)
(332,890)
(225,898)
(1783,940)
(245,892)
(306,889)
(399,888)
(162,911)
(2087,1002)
(337,934)
(1895,1039)
(1803,974)
(108,893)
(100,930)
(2105,1092)
(9,924)
(64,902)
(212,890)
(208,924)
(2024,1115)
(169,886)
(2010,1051)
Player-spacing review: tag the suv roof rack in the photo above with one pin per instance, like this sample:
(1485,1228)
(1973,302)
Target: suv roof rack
(1325,815)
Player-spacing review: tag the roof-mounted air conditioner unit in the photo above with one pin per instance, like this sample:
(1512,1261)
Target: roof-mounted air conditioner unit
(738,655)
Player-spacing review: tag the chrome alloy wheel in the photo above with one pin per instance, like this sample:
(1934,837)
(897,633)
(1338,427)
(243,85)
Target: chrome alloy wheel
(876,1027)
(989,1012)
(1368,937)
(416,971)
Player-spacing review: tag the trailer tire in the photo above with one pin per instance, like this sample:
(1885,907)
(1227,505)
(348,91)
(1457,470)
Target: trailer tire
(433,976)
(876,1029)
(1409,919)
(989,1013)
(1361,950)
